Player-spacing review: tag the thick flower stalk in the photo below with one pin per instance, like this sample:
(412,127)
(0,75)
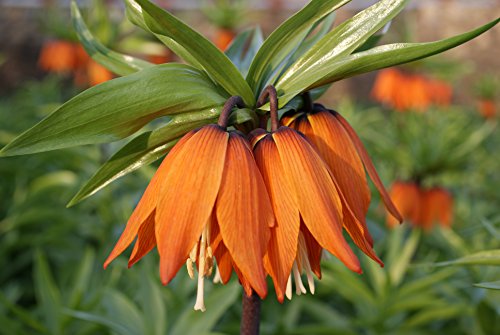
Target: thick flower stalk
(206,201)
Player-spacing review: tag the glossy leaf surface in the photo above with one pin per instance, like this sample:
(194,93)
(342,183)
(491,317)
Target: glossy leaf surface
(286,39)
(214,62)
(118,108)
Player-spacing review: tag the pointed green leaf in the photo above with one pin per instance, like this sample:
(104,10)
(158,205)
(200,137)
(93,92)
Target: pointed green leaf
(340,42)
(378,58)
(494,285)
(286,39)
(215,63)
(47,293)
(136,16)
(119,107)
(113,61)
(487,257)
(244,47)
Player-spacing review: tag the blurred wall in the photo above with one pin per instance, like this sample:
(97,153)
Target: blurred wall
(21,38)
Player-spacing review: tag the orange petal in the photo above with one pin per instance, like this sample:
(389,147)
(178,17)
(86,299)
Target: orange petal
(317,198)
(224,262)
(339,153)
(146,240)
(282,248)
(369,167)
(407,198)
(314,250)
(147,204)
(187,196)
(244,212)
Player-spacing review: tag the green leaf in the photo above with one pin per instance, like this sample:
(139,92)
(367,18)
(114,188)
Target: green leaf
(47,293)
(382,57)
(82,278)
(488,257)
(244,47)
(119,107)
(286,39)
(153,306)
(113,61)
(143,150)
(136,16)
(22,315)
(402,261)
(494,285)
(215,63)
(340,42)
(217,302)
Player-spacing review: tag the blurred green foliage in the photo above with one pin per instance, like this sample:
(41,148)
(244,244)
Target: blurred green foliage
(52,281)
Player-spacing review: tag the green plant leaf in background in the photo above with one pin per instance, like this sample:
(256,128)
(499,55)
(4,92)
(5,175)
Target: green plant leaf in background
(214,62)
(217,302)
(113,61)
(286,39)
(494,285)
(378,58)
(486,257)
(340,42)
(48,294)
(244,47)
(119,107)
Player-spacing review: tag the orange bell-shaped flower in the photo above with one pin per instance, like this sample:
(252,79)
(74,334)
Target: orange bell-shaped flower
(307,205)
(343,152)
(207,199)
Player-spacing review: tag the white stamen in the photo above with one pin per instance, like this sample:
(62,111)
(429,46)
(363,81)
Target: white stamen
(288,291)
(217,278)
(190,268)
(299,287)
(200,302)
(304,260)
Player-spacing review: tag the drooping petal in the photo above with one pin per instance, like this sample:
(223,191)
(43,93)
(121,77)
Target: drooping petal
(146,240)
(369,167)
(244,212)
(148,201)
(282,247)
(224,263)
(337,150)
(314,250)
(187,196)
(317,198)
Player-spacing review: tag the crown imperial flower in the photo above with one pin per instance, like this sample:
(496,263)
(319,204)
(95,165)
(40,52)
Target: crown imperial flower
(206,199)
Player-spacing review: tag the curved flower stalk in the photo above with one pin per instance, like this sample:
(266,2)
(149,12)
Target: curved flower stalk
(206,201)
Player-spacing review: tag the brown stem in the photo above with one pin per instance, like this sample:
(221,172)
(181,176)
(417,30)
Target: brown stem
(270,92)
(307,102)
(250,316)
(228,108)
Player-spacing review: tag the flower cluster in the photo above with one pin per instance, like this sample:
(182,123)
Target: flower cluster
(403,91)
(65,57)
(421,206)
(266,204)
